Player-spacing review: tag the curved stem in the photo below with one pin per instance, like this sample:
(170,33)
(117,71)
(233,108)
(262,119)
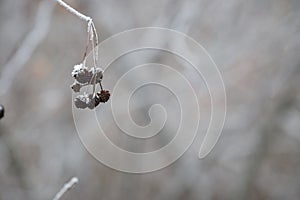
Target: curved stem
(92,32)
(72,10)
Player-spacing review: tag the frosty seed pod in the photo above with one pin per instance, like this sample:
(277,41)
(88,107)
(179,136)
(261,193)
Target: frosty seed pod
(81,74)
(91,104)
(81,101)
(76,87)
(78,69)
(84,77)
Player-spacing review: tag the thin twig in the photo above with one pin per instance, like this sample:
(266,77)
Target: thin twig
(66,188)
(97,42)
(91,29)
(83,17)
(86,49)
(75,12)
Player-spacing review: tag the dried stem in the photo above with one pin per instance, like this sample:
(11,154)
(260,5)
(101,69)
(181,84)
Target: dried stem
(92,32)
(66,188)
(86,49)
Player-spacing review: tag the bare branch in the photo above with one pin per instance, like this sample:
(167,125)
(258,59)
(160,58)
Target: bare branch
(92,32)
(66,188)
(75,12)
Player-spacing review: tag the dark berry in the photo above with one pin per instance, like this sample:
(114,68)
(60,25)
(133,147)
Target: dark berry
(103,96)
(1,111)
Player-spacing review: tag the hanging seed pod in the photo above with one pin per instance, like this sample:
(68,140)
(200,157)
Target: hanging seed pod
(81,101)
(76,87)
(91,104)
(84,77)
(81,74)
(78,69)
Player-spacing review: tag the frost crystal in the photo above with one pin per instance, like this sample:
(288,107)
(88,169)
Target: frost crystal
(81,74)
(77,69)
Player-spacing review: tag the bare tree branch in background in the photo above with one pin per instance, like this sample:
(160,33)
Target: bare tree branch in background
(12,68)
(28,46)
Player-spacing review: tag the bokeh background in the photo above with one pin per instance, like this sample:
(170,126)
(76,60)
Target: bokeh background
(256,46)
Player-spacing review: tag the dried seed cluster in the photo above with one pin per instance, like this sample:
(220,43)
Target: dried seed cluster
(85,77)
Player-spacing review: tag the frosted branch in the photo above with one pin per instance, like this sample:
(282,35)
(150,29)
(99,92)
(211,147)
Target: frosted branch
(66,188)
(75,12)
(91,29)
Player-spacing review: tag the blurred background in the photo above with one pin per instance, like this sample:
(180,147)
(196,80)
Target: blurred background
(256,46)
